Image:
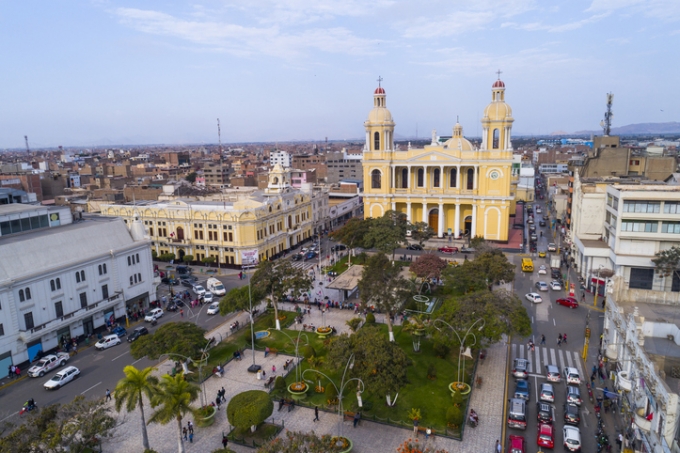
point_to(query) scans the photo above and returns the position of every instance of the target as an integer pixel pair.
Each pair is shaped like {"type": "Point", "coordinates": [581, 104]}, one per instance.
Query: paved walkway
{"type": "Point", "coordinates": [368, 437]}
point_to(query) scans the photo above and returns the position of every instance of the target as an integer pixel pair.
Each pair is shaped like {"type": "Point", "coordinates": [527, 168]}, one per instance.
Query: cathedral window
{"type": "Point", "coordinates": [421, 177]}
{"type": "Point", "coordinates": [376, 141]}
{"type": "Point", "coordinates": [452, 177]}
{"type": "Point", "coordinates": [375, 179]}
{"type": "Point", "coordinates": [404, 178]}
{"type": "Point", "coordinates": [437, 175]}
{"type": "Point", "coordinates": [470, 179]}
{"type": "Point", "coordinates": [496, 136]}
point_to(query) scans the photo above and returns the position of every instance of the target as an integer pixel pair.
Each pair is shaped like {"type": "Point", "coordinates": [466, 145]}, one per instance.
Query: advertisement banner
{"type": "Point", "coordinates": [249, 257]}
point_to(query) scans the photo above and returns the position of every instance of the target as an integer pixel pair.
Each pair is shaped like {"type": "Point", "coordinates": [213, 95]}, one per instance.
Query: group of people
{"type": "Point", "coordinates": [473, 418]}
{"type": "Point", "coordinates": [188, 430]}
{"type": "Point", "coordinates": [13, 371]}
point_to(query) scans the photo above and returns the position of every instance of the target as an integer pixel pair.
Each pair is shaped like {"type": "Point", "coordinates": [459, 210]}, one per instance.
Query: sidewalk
{"type": "Point", "coordinates": [368, 437]}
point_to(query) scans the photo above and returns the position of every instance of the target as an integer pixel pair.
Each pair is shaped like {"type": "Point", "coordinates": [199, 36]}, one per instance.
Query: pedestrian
{"type": "Point", "coordinates": [12, 371]}
{"type": "Point", "coordinates": [273, 369]}
{"type": "Point", "coordinates": [17, 372]}
{"type": "Point", "coordinates": [357, 416]}
{"type": "Point", "coordinates": [316, 414]}
{"type": "Point", "coordinates": [108, 395]}
{"type": "Point", "coordinates": [415, 427]}
{"type": "Point", "coordinates": [225, 441]}
{"type": "Point", "coordinates": [428, 431]}
{"type": "Point", "coordinates": [583, 296]}
{"type": "Point", "coordinates": [191, 437]}
{"type": "Point", "coordinates": [498, 447]}
{"type": "Point", "coordinates": [594, 369]}
{"type": "Point", "coordinates": [218, 401]}
{"type": "Point", "coordinates": [75, 349]}
{"type": "Point", "coordinates": [619, 441]}
{"type": "Point", "coordinates": [181, 313]}
{"type": "Point", "coordinates": [190, 426]}
{"type": "Point", "coordinates": [559, 340]}
{"type": "Point", "coordinates": [542, 339]}
{"type": "Point", "coordinates": [184, 432]}
{"type": "Point", "coordinates": [266, 351]}
{"type": "Point", "coordinates": [224, 392]}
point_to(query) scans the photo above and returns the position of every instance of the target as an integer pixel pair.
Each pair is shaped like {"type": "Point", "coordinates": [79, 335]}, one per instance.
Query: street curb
{"type": "Point", "coordinates": [12, 382]}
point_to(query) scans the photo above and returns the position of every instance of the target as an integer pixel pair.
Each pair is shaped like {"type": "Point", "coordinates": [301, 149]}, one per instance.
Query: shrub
{"type": "Point", "coordinates": [188, 258]}
{"type": "Point", "coordinates": [354, 324]}
{"type": "Point", "coordinates": [249, 408]}
{"type": "Point", "coordinates": [454, 416]}
{"type": "Point", "coordinates": [431, 371]}
{"type": "Point", "coordinates": [308, 351]}
{"type": "Point", "coordinates": [331, 394]}
{"type": "Point", "coordinates": [370, 318]}
{"type": "Point", "coordinates": [279, 383]}
{"type": "Point", "coordinates": [414, 414]}
{"type": "Point", "coordinates": [441, 349]}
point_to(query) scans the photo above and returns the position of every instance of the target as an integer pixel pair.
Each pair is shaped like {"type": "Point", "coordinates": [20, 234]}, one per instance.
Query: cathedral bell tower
{"type": "Point", "coordinates": [379, 125]}
{"type": "Point", "coordinates": [497, 120]}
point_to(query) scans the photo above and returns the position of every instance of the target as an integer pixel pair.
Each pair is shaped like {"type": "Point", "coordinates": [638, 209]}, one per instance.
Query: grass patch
{"type": "Point", "coordinates": [262, 434]}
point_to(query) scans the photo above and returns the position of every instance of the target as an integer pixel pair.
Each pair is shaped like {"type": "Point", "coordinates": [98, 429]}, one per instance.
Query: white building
{"type": "Point", "coordinates": [61, 278]}
{"type": "Point", "coordinates": [279, 158]}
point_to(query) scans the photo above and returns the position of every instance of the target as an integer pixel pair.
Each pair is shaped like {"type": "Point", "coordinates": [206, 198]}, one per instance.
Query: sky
{"type": "Point", "coordinates": [105, 72]}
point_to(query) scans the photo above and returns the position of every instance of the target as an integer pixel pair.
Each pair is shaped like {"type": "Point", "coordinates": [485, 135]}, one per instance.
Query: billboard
{"type": "Point", "coordinates": [249, 257]}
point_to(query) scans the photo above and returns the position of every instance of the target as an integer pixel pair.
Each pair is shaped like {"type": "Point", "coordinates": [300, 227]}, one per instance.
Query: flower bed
{"type": "Point", "coordinates": [461, 387]}
{"type": "Point", "coordinates": [298, 390]}
{"type": "Point", "coordinates": [341, 444]}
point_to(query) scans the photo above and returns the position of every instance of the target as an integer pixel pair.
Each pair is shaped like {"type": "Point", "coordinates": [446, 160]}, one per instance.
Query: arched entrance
{"type": "Point", "coordinates": [433, 219]}
{"type": "Point", "coordinates": [181, 255]}
{"type": "Point", "coordinates": [468, 224]}
{"type": "Point", "coordinates": [180, 234]}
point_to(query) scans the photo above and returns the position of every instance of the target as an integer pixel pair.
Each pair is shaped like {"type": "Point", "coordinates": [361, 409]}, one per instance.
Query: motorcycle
{"type": "Point", "coordinates": [473, 423]}
{"type": "Point", "coordinates": [26, 408]}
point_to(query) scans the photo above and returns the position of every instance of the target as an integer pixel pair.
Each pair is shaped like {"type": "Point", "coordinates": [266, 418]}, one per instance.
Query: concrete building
{"type": "Point", "coordinates": [216, 174]}
{"type": "Point", "coordinates": [280, 158]}
{"type": "Point", "coordinates": [63, 278]}
{"type": "Point", "coordinates": [343, 165]}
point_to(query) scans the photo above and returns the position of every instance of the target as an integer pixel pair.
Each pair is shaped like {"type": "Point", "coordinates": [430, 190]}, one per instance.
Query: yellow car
{"type": "Point", "coordinates": [454, 263]}
{"type": "Point", "coordinates": [541, 254]}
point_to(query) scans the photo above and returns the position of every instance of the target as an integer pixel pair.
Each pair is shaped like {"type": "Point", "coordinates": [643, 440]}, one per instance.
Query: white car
{"type": "Point", "coordinates": [538, 210]}
{"type": "Point", "coordinates": [107, 342]}
{"type": "Point", "coordinates": [62, 378]}
{"type": "Point", "coordinates": [555, 285]}
{"type": "Point", "coordinates": [572, 376]}
{"type": "Point", "coordinates": [572, 438]}
{"type": "Point", "coordinates": [208, 298]}
{"type": "Point", "coordinates": [543, 270]}
{"type": "Point", "coordinates": [153, 315]}
{"type": "Point", "coordinates": [552, 247]}
{"type": "Point", "coordinates": [199, 290]}
{"type": "Point", "coordinates": [534, 297]}
{"type": "Point", "coordinates": [214, 308]}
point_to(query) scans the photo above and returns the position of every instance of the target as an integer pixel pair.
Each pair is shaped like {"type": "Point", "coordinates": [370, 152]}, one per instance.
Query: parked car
{"type": "Point", "coordinates": [519, 369]}
{"type": "Point", "coordinates": [138, 332]}
{"type": "Point", "coordinates": [107, 342]}
{"type": "Point", "coordinates": [541, 223]}
{"type": "Point", "coordinates": [169, 281]}
{"type": "Point", "coordinates": [62, 378]}
{"type": "Point", "coordinates": [214, 308]}
{"type": "Point", "coordinates": [547, 393]}
{"type": "Point", "coordinates": [298, 257]}
{"type": "Point", "coordinates": [567, 302]}
{"type": "Point", "coordinates": [153, 315]}
{"type": "Point", "coordinates": [571, 415]}
{"type": "Point", "coordinates": [120, 331]}
{"type": "Point", "coordinates": [541, 286]}
{"type": "Point", "coordinates": [573, 395]}
{"type": "Point", "coordinates": [414, 247]}
{"type": "Point", "coordinates": [533, 237]}
{"type": "Point", "coordinates": [448, 250]}
{"type": "Point", "coordinates": [516, 444]}
{"type": "Point", "coordinates": [530, 220]}
{"type": "Point", "coordinates": [572, 438]}
{"type": "Point", "coordinates": [555, 285]}
{"type": "Point", "coordinates": [199, 290]}
{"type": "Point", "coordinates": [545, 436]}
{"type": "Point", "coordinates": [467, 250]}
{"type": "Point", "coordinates": [545, 413]}
{"type": "Point", "coordinates": [534, 297]}
{"type": "Point", "coordinates": [523, 390]}
{"type": "Point", "coordinates": [572, 376]}
{"type": "Point", "coordinates": [546, 217]}
{"type": "Point", "coordinates": [552, 373]}
{"type": "Point", "coordinates": [188, 281]}
{"type": "Point", "coordinates": [552, 247]}
{"type": "Point", "coordinates": [48, 363]}
{"type": "Point", "coordinates": [541, 253]}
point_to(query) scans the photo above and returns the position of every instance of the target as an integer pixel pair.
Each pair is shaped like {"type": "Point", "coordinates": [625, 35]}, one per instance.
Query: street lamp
{"type": "Point", "coordinates": [343, 384]}
{"type": "Point", "coordinates": [597, 285]}
{"type": "Point", "coordinates": [252, 368]}
{"type": "Point", "coordinates": [204, 359]}
{"type": "Point", "coordinates": [462, 351]}
{"type": "Point", "coordinates": [298, 376]}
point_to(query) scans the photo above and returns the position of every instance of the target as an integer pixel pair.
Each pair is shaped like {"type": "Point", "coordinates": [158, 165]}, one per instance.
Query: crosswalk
{"type": "Point", "coordinates": [542, 356]}
{"type": "Point", "coordinates": [304, 264]}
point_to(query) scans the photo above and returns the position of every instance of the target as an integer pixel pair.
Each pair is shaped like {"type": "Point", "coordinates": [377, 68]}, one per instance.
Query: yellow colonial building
{"type": "Point", "coordinates": [229, 227]}
{"type": "Point", "coordinates": [452, 185]}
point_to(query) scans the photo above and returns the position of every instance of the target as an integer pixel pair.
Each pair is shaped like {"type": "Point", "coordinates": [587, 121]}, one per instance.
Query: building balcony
{"type": "Point", "coordinates": [34, 333]}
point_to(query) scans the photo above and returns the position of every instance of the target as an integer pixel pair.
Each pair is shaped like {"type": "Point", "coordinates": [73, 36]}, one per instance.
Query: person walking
{"type": "Point", "coordinates": [224, 392]}
{"type": "Point", "coordinates": [181, 313]}
{"type": "Point", "coordinates": [559, 340]}
{"type": "Point", "coordinates": [542, 339]}
{"type": "Point", "coordinates": [12, 371]}
{"type": "Point", "coordinates": [108, 395]}
{"type": "Point", "coordinates": [225, 441]}
{"type": "Point", "coordinates": [191, 437]}
{"type": "Point", "coordinates": [619, 441]}
{"type": "Point", "coordinates": [428, 431]}
{"type": "Point", "coordinates": [190, 426]}
{"type": "Point", "coordinates": [357, 416]}
{"type": "Point", "coordinates": [498, 447]}
{"type": "Point", "coordinates": [273, 369]}
{"type": "Point", "coordinates": [415, 427]}
{"type": "Point", "coordinates": [185, 432]}
{"type": "Point", "coordinates": [316, 414]}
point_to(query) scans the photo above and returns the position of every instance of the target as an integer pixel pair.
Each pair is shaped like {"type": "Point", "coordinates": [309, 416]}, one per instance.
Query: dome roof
{"type": "Point", "coordinates": [379, 90]}
{"type": "Point", "coordinates": [379, 115]}
{"type": "Point", "coordinates": [498, 110]}
{"type": "Point", "coordinates": [498, 84]}
{"type": "Point", "coordinates": [457, 141]}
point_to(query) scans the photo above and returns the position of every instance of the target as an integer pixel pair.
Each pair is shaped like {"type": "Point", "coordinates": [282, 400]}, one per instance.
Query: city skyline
{"type": "Point", "coordinates": [100, 72]}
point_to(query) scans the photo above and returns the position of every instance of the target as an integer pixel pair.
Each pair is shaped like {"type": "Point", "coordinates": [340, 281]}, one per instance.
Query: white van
{"type": "Point", "coordinates": [216, 287]}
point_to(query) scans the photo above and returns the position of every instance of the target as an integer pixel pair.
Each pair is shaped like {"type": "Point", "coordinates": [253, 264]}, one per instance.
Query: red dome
{"type": "Point", "coordinates": [379, 90]}
{"type": "Point", "coordinates": [498, 84]}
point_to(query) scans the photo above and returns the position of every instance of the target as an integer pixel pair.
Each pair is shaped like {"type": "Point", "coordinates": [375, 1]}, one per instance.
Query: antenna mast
{"type": "Point", "coordinates": [219, 135]}
{"type": "Point", "coordinates": [28, 150]}
{"type": "Point", "coordinates": [606, 123]}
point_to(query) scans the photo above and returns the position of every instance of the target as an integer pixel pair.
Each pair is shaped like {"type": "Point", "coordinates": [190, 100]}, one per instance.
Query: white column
{"type": "Point", "coordinates": [441, 177]}
{"type": "Point", "coordinates": [425, 219]}
{"type": "Point", "coordinates": [456, 221]}
{"type": "Point", "coordinates": [476, 177]}
{"type": "Point", "coordinates": [368, 141]}
{"type": "Point", "coordinates": [425, 178]}
{"type": "Point", "coordinates": [441, 220]}
{"type": "Point", "coordinates": [393, 183]}
{"type": "Point", "coordinates": [473, 227]}
{"type": "Point", "coordinates": [409, 214]}
{"type": "Point", "coordinates": [394, 206]}
{"type": "Point", "coordinates": [457, 176]}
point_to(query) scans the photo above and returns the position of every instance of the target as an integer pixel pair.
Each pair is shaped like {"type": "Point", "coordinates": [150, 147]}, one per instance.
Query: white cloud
{"type": "Point", "coordinates": [569, 26]}
{"type": "Point", "coordinates": [290, 12]}
{"type": "Point", "coordinates": [665, 10]}
{"type": "Point", "coordinates": [619, 40]}
{"type": "Point", "coordinates": [241, 40]}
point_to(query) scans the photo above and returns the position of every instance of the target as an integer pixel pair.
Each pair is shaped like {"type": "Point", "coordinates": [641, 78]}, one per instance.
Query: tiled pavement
{"type": "Point", "coordinates": [367, 437]}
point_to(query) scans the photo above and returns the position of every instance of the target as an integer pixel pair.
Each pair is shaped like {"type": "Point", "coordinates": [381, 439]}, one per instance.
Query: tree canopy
{"type": "Point", "coordinates": [238, 299]}
{"type": "Point", "coordinates": [420, 232]}
{"type": "Point", "coordinates": [297, 441]}
{"type": "Point", "coordinates": [249, 408]}
{"type": "Point", "coordinates": [428, 265]}
{"type": "Point", "coordinates": [488, 268]}
{"type": "Point", "coordinates": [130, 391]}
{"type": "Point", "coordinates": [182, 338]}
{"type": "Point", "coordinates": [667, 262]}
{"type": "Point", "coordinates": [388, 232]}
{"type": "Point", "coordinates": [353, 232]}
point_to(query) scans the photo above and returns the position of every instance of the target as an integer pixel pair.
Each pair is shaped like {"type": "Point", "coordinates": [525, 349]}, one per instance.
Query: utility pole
{"type": "Point", "coordinates": [28, 150]}
{"type": "Point", "coordinates": [219, 135]}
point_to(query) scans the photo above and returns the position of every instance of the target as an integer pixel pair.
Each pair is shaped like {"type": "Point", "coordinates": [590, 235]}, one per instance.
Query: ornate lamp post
{"type": "Point", "coordinates": [252, 368]}
{"type": "Point", "coordinates": [298, 376]}
{"type": "Point", "coordinates": [462, 350]}
{"type": "Point", "coordinates": [204, 359]}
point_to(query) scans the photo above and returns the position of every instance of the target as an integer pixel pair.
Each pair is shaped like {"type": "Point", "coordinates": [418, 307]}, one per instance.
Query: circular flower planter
{"type": "Point", "coordinates": [262, 334]}
{"type": "Point", "coordinates": [341, 444]}
{"type": "Point", "coordinates": [298, 390]}
{"type": "Point", "coordinates": [207, 420]}
{"type": "Point", "coordinates": [323, 332]}
{"type": "Point", "coordinates": [461, 387]}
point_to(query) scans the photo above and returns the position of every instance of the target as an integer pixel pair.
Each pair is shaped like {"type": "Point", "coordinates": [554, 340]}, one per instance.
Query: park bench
{"type": "Point", "coordinates": [270, 381]}
{"type": "Point", "coordinates": [289, 403]}
{"type": "Point", "coordinates": [349, 417]}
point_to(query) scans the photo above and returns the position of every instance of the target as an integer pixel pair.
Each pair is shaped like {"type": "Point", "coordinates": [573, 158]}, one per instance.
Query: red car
{"type": "Point", "coordinates": [448, 250]}
{"type": "Point", "coordinates": [516, 444]}
{"type": "Point", "coordinates": [568, 302]}
{"type": "Point", "coordinates": [546, 436]}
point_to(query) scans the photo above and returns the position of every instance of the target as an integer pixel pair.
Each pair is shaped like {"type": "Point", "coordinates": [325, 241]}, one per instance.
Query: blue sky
{"type": "Point", "coordinates": [82, 73]}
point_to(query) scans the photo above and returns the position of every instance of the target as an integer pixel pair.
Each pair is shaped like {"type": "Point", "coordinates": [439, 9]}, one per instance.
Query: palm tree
{"type": "Point", "coordinates": [130, 391]}
{"type": "Point", "coordinates": [174, 397]}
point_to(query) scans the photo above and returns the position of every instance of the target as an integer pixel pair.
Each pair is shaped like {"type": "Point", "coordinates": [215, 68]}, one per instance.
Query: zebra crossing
{"type": "Point", "coordinates": [304, 265]}
{"type": "Point", "coordinates": [542, 356]}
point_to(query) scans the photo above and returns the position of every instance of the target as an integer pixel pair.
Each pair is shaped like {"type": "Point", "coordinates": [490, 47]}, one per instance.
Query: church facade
{"type": "Point", "coordinates": [450, 184]}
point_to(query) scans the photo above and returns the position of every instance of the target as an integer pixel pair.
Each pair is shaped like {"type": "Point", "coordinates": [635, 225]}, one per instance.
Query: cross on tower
{"type": "Point", "coordinates": [499, 72]}
{"type": "Point", "coordinates": [380, 79]}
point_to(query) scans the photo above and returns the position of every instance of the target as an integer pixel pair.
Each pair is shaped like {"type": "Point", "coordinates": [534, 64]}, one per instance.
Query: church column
{"type": "Point", "coordinates": [440, 218]}
{"type": "Point", "coordinates": [394, 205]}
{"type": "Point", "coordinates": [393, 182]}
{"type": "Point", "coordinates": [441, 177]}
{"type": "Point", "coordinates": [367, 146]}
{"type": "Point", "coordinates": [409, 214]}
{"type": "Point", "coordinates": [425, 176]}
{"type": "Point", "coordinates": [425, 219]}
{"type": "Point", "coordinates": [473, 227]}
{"type": "Point", "coordinates": [476, 177]}
{"type": "Point", "coordinates": [458, 177]}
{"type": "Point", "coordinates": [456, 222]}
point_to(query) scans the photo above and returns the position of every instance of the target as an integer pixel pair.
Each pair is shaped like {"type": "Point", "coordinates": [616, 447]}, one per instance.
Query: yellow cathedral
{"type": "Point", "coordinates": [453, 186]}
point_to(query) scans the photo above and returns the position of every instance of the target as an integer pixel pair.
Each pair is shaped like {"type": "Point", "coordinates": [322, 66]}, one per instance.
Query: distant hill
{"type": "Point", "coordinates": [639, 129]}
